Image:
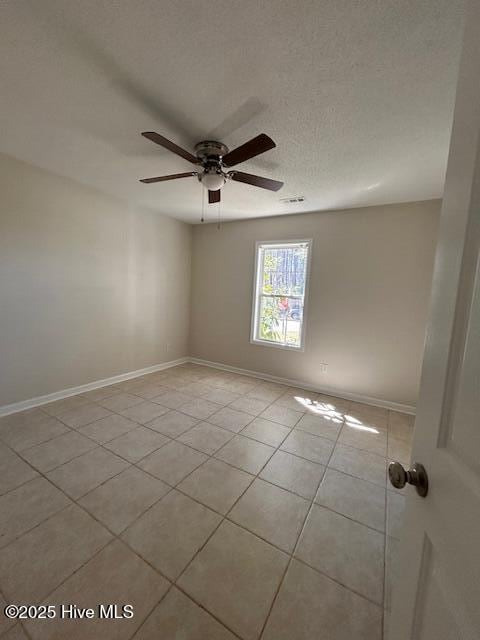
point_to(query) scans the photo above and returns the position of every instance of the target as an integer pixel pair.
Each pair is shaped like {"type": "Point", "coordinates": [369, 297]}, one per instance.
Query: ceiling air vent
{"type": "Point", "coordinates": [293, 199]}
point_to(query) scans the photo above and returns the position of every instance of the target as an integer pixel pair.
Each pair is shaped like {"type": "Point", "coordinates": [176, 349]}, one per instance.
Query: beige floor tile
{"type": "Point", "coordinates": [6, 453]}
{"type": "Point", "coordinates": [197, 389]}
{"type": "Point", "coordinates": [179, 618]}
{"type": "Point", "coordinates": [219, 378]}
{"type": "Point", "coordinates": [265, 392]}
{"type": "Point", "coordinates": [354, 498]}
{"type": "Point", "coordinates": [345, 550]}
{"type": "Point", "coordinates": [294, 473]}
{"type": "Point", "coordinates": [400, 450]}
{"type": "Point", "coordinates": [305, 395]}
{"type": "Point", "coordinates": [362, 464]}
{"type": "Point", "coordinates": [35, 564]}
{"type": "Point", "coordinates": [366, 438]}
{"type": "Point", "coordinates": [340, 405]}
{"type": "Point", "coordinates": [5, 623]}
{"type": "Point", "coordinates": [176, 383]}
{"type": "Point", "coordinates": [200, 408]}
{"type": "Point", "coordinates": [318, 425]}
{"type": "Point", "coordinates": [395, 514]}
{"type": "Point", "coordinates": [235, 577]}
{"type": "Point", "coordinates": [216, 484]}
{"type": "Point", "coordinates": [173, 424]}
{"type": "Point", "coordinates": [83, 415]}
{"type": "Point", "coordinates": [21, 435]}
{"type": "Point", "coordinates": [401, 428]}
{"type": "Point", "coordinates": [120, 401]}
{"type": "Point", "coordinates": [27, 506]}
{"type": "Point", "coordinates": [282, 415]}
{"type": "Point", "coordinates": [172, 462]}
{"type": "Point", "coordinates": [240, 386]}
{"type": "Point", "coordinates": [116, 576]}
{"type": "Point", "coordinates": [231, 419]}
{"type": "Point", "coordinates": [368, 418]}
{"type": "Point", "coordinates": [266, 431]}
{"type": "Point", "coordinates": [310, 606]}
{"type": "Point", "coordinates": [108, 428]}
{"type": "Point", "coordinates": [99, 394]}
{"type": "Point", "coordinates": [144, 412]}
{"type": "Point", "coordinates": [82, 474]}
{"type": "Point", "coordinates": [170, 533]}
{"type": "Point", "coordinates": [221, 396]}
{"type": "Point", "coordinates": [211, 379]}
{"type": "Point", "coordinates": [253, 406]}
{"type": "Point", "coordinates": [404, 420]}
{"type": "Point", "coordinates": [130, 386]}
{"type": "Point", "coordinates": [53, 453]}
{"type": "Point", "coordinates": [272, 513]}
{"type": "Point", "coordinates": [15, 472]}
{"type": "Point", "coordinates": [306, 445]}
{"type": "Point", "coordinates": [206, 437]}
{"type": "Point", "coordinates": [295, 403]}
{"type": "Point", "coordinates": [121, 500]}
{"type": "Point", "coordinates": [22, 418]}
{"type": "Point", "coordinates": [386, 623]}
{"type": "Point", "coordinates": [61, 406]}
{"type": "Point", "coordinates": [294, 392]}
{"type": "Point", "coordinates": [392, 569]}
{"type": "Point", "coordinates": [17, 633]}
{"type": "Point", "coordinates": [361, 409]}
{"type": "Point", "coordinates": [245, 454]}
{"type": "Point", "coordinates": [172, 399]}
{"type": "Point", "coordinates": [149, 390]}
{"type": "Point", "coordinates": [136, 444]}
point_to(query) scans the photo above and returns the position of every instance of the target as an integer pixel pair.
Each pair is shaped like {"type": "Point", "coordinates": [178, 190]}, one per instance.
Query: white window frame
{"type": "Point", "coordinates": [257, 295]}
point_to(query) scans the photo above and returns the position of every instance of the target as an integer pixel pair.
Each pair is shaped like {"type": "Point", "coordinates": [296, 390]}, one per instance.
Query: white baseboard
{"type": "Point", "coordinates": [356, 397]}
{"type": "Point", "coordinates": [72, 391]}
{"type": "Point", "coordinates": [7, 409]}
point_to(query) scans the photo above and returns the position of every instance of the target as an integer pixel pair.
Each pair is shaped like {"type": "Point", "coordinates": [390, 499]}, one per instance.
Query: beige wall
{"type": "Point", "coordinates": [369, 291]}
{"type": "Point", "coordinates": [89, 288]}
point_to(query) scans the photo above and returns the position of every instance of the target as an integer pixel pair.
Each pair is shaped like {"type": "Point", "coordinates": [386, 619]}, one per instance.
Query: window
{"type": "Point", "coordinates": [281, 280]}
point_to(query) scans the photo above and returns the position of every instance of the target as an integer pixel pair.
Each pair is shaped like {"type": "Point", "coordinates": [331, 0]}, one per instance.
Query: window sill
{"type": "Point", "coordinates": [285, 347]}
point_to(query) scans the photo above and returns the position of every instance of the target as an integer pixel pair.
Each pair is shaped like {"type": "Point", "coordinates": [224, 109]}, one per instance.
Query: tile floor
{"type": "Point", "coordinates": [219, 506]}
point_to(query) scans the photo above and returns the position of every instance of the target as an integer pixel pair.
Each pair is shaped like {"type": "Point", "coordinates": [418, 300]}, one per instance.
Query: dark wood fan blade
{"type": "Point", "coordinates": [250, 149]}
{"type": "Point", "coordinates": [171, 146]}
{"type": "Point", "coordinates": [174, 176]}
{"type": "Point", "coordinates": [256, 181]}
{"type": "Point", "coordinates": [213, 196]}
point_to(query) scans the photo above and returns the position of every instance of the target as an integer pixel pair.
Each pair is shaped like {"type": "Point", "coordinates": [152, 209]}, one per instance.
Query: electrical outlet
{"type": "Point", "coordinates": [323, 367]}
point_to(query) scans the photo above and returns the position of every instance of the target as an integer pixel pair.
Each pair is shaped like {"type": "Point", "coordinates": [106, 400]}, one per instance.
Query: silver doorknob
{"type": "Point", "coordinates": [417, 476]}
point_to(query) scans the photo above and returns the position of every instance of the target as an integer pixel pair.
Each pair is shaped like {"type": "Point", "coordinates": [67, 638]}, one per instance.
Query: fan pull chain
{"type": "Point", "coordinates": [219, 214]}
{"type": "Point", "coordinates": [203, 204]}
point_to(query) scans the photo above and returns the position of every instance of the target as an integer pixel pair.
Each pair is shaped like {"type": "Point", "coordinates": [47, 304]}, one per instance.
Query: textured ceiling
{"type": "Point", "coordinates": [357, 94]}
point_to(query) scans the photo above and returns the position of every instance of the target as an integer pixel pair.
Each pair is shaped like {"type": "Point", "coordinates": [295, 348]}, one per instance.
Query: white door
{"type": "Point", "coordinates": [436, 594]}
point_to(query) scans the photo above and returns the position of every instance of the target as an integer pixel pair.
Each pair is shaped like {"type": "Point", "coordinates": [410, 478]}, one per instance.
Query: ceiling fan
{"type": "Point", "coordinates": [214, 157]}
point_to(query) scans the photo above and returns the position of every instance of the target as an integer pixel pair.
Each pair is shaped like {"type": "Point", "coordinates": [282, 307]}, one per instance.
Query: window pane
{"type": "Point", "coordinates": [284, 270]}
{"type": "Point", "coordinates": [280, 320]}
{"type": "Point", "coordinates": [280, 293]}
{"type": "Point", "coordinates": [270, 322]}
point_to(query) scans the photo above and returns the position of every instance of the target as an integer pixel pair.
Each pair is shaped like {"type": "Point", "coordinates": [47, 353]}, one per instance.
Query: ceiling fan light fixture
{"type": "Point", "coordinates": [214, 156]}
{"type": "Point", "coordinates": [212, 180]}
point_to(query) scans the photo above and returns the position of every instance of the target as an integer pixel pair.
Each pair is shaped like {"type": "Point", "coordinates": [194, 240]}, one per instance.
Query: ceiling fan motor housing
{"type": "Point", "coordinates": [210, 153]}
{"type": "Point", "coordinates": [210, 150]}
{"type": "Point", "coordinates": [215, 157]}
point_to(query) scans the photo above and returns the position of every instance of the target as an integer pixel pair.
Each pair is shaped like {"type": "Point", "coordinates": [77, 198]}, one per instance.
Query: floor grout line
{"type": "Point", "coordinates": [302, 529]}
{"type": "Point", "coordinates": [224, 517]}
